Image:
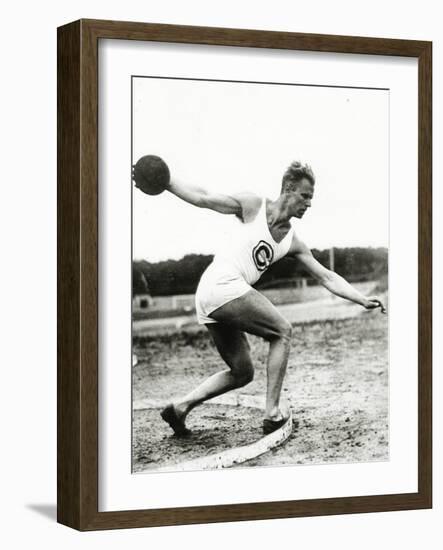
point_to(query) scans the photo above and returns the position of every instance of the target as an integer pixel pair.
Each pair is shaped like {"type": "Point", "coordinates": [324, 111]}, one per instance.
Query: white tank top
{"type": "Point", "coordinates": [252, 249]}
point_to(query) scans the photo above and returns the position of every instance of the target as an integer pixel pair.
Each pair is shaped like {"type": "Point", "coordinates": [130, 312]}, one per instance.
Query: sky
{"type": "Point", "coordinates": [231, 137]}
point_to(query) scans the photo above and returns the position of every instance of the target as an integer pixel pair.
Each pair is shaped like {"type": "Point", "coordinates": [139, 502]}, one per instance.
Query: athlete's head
{"type": "Point", "coordinates": [298, 188]}
{"type": "Point", "coordinates": [295, 173]}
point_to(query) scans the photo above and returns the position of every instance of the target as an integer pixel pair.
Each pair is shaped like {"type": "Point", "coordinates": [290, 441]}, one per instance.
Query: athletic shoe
{"type": "Point", "coordinates": [170, 416]}
{"type": "Point", "coordinates": [270, 426]}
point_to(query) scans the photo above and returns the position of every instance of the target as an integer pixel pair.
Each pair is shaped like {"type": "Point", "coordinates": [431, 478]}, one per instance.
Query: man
{"type": "Point", "coordinates": [228, 305]}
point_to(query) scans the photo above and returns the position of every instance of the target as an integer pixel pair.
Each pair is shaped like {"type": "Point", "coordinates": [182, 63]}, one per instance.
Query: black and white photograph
{"type": "Point", "coordinates": [259, 274]}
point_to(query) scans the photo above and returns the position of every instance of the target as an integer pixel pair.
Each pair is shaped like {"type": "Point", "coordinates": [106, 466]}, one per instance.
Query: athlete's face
{"type": "Point", "coordinates": [300, 199]}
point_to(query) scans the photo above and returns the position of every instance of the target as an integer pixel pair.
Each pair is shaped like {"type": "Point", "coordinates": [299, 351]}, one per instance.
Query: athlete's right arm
{"type": "Point", "coordinates": [198, 196]}
{"type": "Point", "coordinates": [329, 279]}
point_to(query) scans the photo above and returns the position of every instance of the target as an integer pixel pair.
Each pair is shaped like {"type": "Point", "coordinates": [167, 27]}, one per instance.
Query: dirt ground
{"type": "Point", "coordinates": [214, 428]}
{"type": "Point", "coordinates": [336, 384]}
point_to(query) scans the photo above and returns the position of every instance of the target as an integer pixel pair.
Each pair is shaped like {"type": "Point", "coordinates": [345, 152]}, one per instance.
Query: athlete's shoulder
{"type": "Point", "coordinates": [250, 205]}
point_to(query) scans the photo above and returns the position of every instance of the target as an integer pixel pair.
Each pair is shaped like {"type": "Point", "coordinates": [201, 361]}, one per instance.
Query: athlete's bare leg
{"type": "Point", "coordinates": [253, 313]}
{"type": "Point", "coordinates": [234, 350]}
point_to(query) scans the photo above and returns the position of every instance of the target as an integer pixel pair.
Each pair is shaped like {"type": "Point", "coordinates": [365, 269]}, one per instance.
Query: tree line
{"type": "Point", "coordinates": [182, 276]}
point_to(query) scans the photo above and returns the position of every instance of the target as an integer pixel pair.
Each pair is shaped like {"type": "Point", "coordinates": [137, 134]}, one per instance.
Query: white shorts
{"type": "Point", "coordinates": [216, 288]}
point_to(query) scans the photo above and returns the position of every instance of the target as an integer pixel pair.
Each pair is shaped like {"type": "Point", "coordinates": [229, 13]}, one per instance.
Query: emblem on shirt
{"type": "Point", "coordinates": [263, 255]}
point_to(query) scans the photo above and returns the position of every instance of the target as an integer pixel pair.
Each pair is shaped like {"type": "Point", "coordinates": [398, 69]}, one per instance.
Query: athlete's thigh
{"type": "Point", "coordinates": [252, 313]}
{"type": "Point", "coordinates": [232, 346]}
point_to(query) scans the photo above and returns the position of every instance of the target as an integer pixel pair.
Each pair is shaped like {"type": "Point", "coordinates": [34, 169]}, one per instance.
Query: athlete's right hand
{"type": "Point", "coordinates": [373, 302]}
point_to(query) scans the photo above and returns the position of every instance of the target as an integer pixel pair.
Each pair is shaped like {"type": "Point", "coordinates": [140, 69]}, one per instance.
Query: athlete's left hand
{"type": "Point", "coordinates": [373, 302]}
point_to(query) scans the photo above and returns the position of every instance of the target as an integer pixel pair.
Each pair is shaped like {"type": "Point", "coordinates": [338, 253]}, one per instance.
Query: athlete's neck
{"type": "Point", "coordinates": [279, 210]}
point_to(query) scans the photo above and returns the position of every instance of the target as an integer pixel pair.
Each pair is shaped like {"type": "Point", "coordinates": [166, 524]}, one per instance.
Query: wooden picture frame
{"type": "Point", "coordinates": [77, 173]}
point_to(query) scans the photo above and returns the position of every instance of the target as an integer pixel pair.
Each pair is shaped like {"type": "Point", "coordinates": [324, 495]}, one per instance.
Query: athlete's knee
{"type": "Point", "coordinates": [243, 375]}
{"type": "Point", "coordinates": [287, 330]}
{"type": "Point", "coordinates": [281, 331]}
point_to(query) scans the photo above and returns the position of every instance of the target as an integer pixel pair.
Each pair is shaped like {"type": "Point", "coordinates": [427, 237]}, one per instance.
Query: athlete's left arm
{"type": "Point", "coordinates": [329, 279]}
